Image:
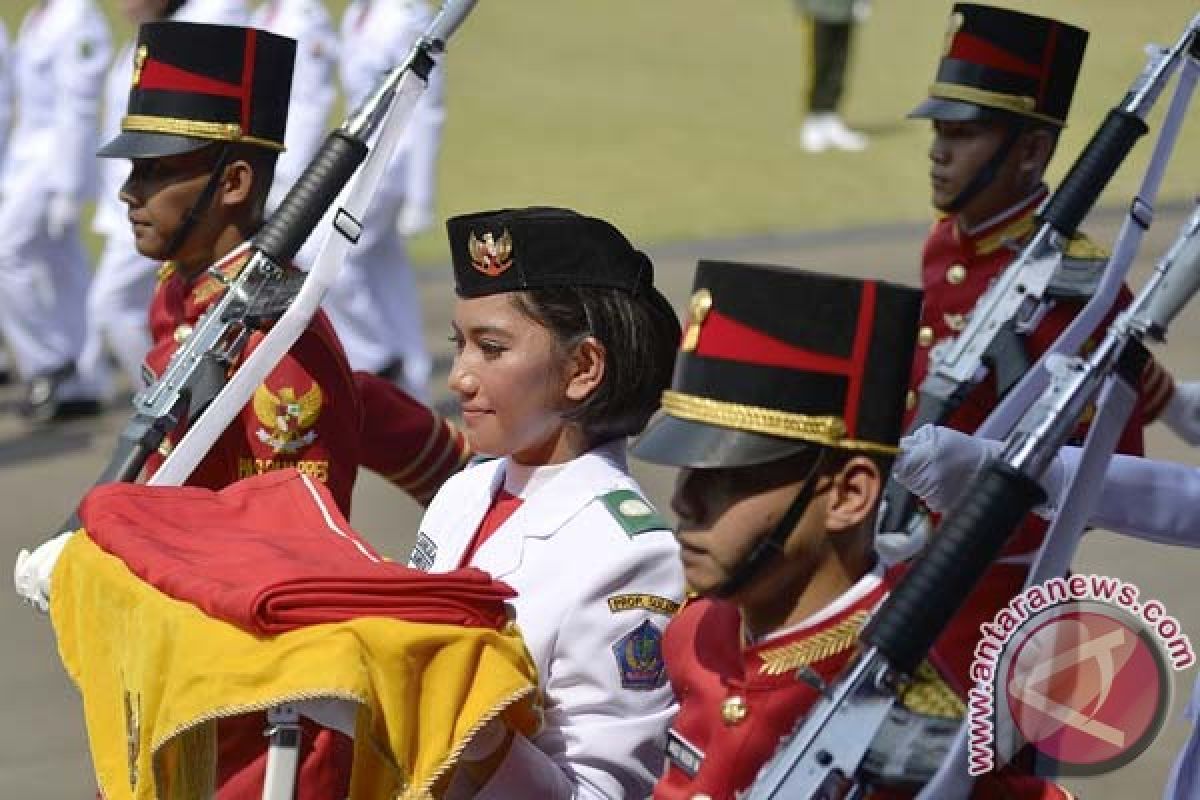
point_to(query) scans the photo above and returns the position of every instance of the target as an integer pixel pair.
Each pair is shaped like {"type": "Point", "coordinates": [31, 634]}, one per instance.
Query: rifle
{"type": "Point", "coordinates": [824, 756]}
{"type": "Point", "coordinates": [194, 388]}
{"type": "Point", "coordinates": [991, 340]}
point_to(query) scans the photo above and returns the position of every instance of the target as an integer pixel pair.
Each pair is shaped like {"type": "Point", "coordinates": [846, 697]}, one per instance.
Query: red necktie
{"type": "Point", "coordinates": [503, 506]}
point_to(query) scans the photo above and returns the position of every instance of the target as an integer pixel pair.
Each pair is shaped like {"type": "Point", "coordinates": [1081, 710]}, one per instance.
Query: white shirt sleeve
{"type": "Point", "coordinates": [1154, 500]}
{"type": "Point", "coordinates": [78, 79]}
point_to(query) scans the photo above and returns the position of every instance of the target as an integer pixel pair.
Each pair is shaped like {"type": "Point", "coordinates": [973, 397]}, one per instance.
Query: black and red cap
{"type": "Point", "coordinates": [515, 249]}
{"type": "Point", "coordinates": [195, 84]}
{"type": "Point", "coordinates": [1003, 63]}
{"type": "Point", "coordinates": [775, 360]}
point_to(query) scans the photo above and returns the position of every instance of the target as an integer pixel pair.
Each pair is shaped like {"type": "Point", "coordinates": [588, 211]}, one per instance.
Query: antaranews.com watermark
{"type": "Point", "coordinates": [1076, 667]}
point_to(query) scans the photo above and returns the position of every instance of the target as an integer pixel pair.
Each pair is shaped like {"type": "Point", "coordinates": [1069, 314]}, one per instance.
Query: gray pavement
{"type": "Point", "coordinates": [43, 472]}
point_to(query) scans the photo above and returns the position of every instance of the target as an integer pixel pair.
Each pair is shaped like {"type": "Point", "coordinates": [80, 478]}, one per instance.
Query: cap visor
{"type": "Point", "coordinates": [137, 144]}
{"type": "Point", "coordinates": [952, 111]}
{"type": "Point", "coordinates": [679, 442]}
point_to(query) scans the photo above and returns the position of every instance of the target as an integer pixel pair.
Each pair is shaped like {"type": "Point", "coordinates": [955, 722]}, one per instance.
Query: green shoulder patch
{"type": "Point", "coordinates": [632, 512]}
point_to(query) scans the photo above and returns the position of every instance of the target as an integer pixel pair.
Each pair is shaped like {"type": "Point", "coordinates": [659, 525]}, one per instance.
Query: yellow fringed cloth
{"type": "Point", "coordinates": [155, 674]}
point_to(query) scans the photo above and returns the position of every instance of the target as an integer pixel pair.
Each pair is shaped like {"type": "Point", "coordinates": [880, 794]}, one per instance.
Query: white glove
{"type": "Point", "coordinates": [1182, 414]}
{"type": "Point", "coordinates": [414, 218]}
{"type": "Point", "coordinates": [61, 213]}
{"type": "Point", "coordinates": [936, 464]}
{"type": "Point", "coordinates": [31, 575]}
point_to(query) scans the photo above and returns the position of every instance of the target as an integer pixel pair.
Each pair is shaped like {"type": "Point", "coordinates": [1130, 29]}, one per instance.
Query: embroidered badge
{"type": "Point", "coordinates": [287, 418]}
{"type": "Point", "coordinates": [683, 753]}
{"type": "Point", "coordinates": [632, 512]}
{"type": "Point", "coordinates": [640, 657]}
{"type": "Point", "coordinates": [424, 553]}
{"type": "Point", "coordinates": [642, 602]}
{"type": "Point", "coordinates": [489, 256]}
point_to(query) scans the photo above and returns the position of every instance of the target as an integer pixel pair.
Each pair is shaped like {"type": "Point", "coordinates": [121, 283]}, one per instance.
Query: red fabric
{"type": "Point", "coordinates": [159, 75]}
{"type": "Point", "coordinates": [980, 51]}
{"type": "Point", "coordinates": [725, 338]}
{"type": "Point", "coordinates": [245, 448]}
{"type": "Point", "coordinates": [273, 553]}
{"type": "Point", "coordinates": [246, 91]}
{"type": "Point", "coordinates": [326, 759]}
{"type": "Point", "coordinates": [504, 504]}
{"type": "Point", "coordinates": [858, 359]}
{"type": "Point", "coordinates": [406, 442]}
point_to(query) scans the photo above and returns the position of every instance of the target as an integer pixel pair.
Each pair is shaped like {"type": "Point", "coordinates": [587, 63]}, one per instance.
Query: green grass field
{"type": "Point", "coordinates": [677, 118]}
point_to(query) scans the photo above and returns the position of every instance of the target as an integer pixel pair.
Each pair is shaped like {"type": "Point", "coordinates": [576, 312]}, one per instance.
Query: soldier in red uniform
{"type": "Point", "coordinates": [206, 119]}
{"type": "Point", "coordinates": [783, 416]}
{"type": "Point", "coordinates": [1001, 95]}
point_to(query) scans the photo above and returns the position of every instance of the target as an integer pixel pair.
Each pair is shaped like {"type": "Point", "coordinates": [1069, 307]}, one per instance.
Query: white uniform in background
{"type": "Point", "coordinates": [59, 57]}
{"type": "Point", "coordinates": [123, 283]}
{"type": "Point", "coordinates": [6, 103]}
{"type": "Point", "coordinates": [314, 89]}
{"type": "Point", "coordinates": [374, 306]}
{"type": "Point", "coordinates": [595, 590]}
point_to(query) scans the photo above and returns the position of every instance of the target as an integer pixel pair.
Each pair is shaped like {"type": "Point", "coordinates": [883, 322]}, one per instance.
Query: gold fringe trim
{"type": "Point", "coordinates": [928, 694]}
{"type": "Point", "coordinates": [177, 126]}
{"type": "Point", "coordinates": [1016, 103]}
{"type": "Point", "coordinates": [818, 647]}
{"type": "Point", "coordinates": [826, 430]}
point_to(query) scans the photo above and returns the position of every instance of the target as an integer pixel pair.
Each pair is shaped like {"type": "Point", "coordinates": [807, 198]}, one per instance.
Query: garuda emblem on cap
{"type": "Point", "coordinates": [491, 257]}
{"type": "Point", "coordinates": [287, 418]}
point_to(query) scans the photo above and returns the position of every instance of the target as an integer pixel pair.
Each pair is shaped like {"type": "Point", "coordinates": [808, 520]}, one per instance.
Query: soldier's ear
{"type": "Point", "coordinates": [1037, 147]}
{"type": "Point", "coordinates": [237, 183]}
{"type": "Point", "coordinates": [853, 493]}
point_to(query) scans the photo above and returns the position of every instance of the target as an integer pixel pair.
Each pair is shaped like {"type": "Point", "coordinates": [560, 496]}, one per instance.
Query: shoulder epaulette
{"type": "Point", "coordinates": [632, 512]}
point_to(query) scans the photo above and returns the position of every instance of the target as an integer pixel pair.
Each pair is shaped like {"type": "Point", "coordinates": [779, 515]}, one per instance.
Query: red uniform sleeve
{"type": "Point", "coordinates": [405, 441]}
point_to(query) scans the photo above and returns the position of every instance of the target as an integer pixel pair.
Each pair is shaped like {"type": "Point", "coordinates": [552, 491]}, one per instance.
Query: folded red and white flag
{"type": "Point", "coordinates": [272, 553]}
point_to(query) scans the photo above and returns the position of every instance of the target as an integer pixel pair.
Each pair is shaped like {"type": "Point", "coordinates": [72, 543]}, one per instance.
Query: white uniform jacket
{"type": "Point", "coordinates": [6, 93]}
{"type": "Point", "coordinates": [592, 603]}
{"type": "Point", "coordinates": [314, 83]}
{"type": "Point", "coordinates": [59, 59]}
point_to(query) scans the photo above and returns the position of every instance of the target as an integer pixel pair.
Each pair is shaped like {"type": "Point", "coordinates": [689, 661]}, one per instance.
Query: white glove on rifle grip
{"type": "Point", "coordinates": [31, 575]}
{"type": "Point", "coordinates": [938, 464]}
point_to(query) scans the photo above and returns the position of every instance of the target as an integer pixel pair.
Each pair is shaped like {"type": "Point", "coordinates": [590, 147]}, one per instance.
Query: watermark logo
{"type": "Point", "coordinates": [1078, 670]}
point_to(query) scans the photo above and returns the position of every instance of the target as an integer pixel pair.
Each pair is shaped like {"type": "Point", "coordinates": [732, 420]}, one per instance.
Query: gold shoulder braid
{"type": "Point", "coordinates": [928, 694]}
{"type": "Point", "coordinates": [817, 647]}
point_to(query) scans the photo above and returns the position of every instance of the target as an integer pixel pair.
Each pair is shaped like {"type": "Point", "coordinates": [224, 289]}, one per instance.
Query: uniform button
{"type": "Point", "coordinates": [955, 322]}
{"type": "Point", "coordinates": [182, 333]}
{"type": "Point", "coordinates": [734, 710]}
{"type": "Point", "coordinates": [956, 274]}
{"type": "Point", "coordinates": [165, 447]}
{"type": "Point", "coordinates": [925, 336]}
{"type": "Point", "coordinates": [910, 400]}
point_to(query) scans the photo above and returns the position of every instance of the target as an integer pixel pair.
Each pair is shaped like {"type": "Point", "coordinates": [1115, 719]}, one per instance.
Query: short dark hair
{"type": "Point", "coordinates": [640, 334]}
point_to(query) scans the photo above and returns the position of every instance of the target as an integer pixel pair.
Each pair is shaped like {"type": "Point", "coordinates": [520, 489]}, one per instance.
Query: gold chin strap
{"type": "Point", "coordinates": [824, 430]}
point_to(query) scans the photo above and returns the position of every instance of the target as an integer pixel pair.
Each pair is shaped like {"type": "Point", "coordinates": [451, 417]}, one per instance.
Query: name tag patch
{"type": "Point", "coordinates": [424, 553]}
{"type": "Point", "coordinates": [642, 602]}
{"type": "Point", "coordinates": [683, 753]}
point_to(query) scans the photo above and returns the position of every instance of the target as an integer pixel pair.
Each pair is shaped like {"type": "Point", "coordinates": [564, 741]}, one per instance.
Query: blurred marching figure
{"type": "Point", "coordinates": [829, 27]}
{"type": "Point", "coordinates": [374, 306]}
{"type": "Point", "coordinates": [59, 57]}
{"type": "Point", "coordinates": [6, 102]}
{"type": "Point", "coordinates": [118, 300]}
{"type": "Point", "coordinates": [313, 92]}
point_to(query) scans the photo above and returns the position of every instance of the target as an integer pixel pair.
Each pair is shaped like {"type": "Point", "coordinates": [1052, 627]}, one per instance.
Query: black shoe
{"type": "Point", "coordinates": [43, 401]}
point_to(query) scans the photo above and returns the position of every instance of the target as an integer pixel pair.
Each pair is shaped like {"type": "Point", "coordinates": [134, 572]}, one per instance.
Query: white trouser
{"type": "Point", "coordinates": [118, 306]}
{"type": "Point", "coordinates": [43, 287]}
{"type": "Point", "coordinates": [374, 305]}
{"type": "Point", "coordinates": [1184, 782]}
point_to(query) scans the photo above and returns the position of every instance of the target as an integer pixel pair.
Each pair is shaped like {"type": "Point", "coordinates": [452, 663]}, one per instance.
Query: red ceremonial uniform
{"type": "Point", "coordinates": [737, 701]}
{"type": "Point", "coordinates": [306, 414]}
{"type": "Point", "coordinates": [956, 268]}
